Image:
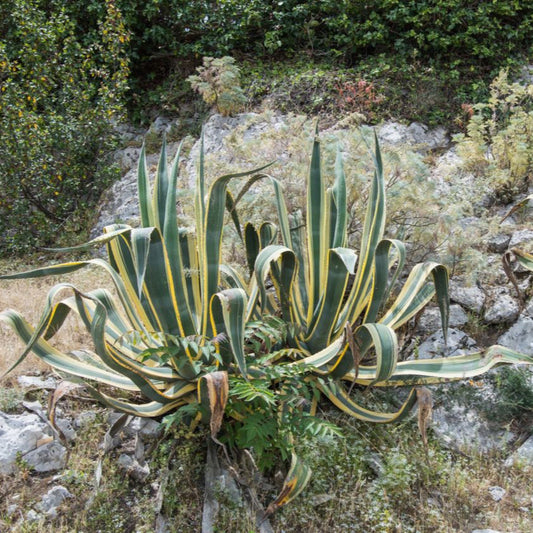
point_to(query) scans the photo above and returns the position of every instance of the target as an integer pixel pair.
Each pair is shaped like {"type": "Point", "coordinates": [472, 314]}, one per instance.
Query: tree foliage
{"type": "Point", "coordinates": [59, 97]}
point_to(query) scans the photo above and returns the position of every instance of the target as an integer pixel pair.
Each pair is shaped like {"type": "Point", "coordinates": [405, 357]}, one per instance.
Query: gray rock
{"type": "Point", "coordinates": [471, 298]}
{"type": "Point", "coordinates": [139, 472]}
{"type": "Point", "coordinates": [469, 222]}
{"type": "Point", "coordinates": [66, 428]}
{"type": "Point", "coordinates": [498, 243]}
{"type": "Point", "coordinates": [120, 201]}
{"type": "Point", "coordinates": [12, 509]}
{"type": "Point", "coordinates": [37, 382]}
{"type": "Point", "coordinates": [526, 74]}
{"type": "Point", "coordinates": [430, 319]}
{"type": "Point", "coordinates": [485, 531]}
{"type": "Point", "coordinates": [145, 427]}
{"type": "Point", "coordinates": [33, 516]}
{"type": "Point", "coordinates": [84, 419]}
{"type": "Point", "coordinates": [446, 173]}
{"type": "Point", "coordinates": [524, 454]}
{"type": "Point", "coordinates": [459, 343]}
{"type": "Point", "coordinates": [127, 158]}
{"type": "Point", "coordinates": [459, 427]}
{"type": "Point", "coordinates": [497, 493]}
{"type": "Point", "coordinates": [520, 238]}
{"type": "Point", "coordinates": [162, 125]}
{"type": "Point", "coordinates": [48, 457]}
{"type": "Point", "coordinates": [520, 336]}
{"type": "Point", "coordinates": [19, 434]}
{"type": "Point", "coordinates": [129, 133]}
{"type": "Point", "coordinates": [504, 309]}
{"type": "Point", "coordinates": [395, 134]}
{"type": "Point", "coordinates": [53, 499]}
{"type": "Point", "coordinates": [218, 128]}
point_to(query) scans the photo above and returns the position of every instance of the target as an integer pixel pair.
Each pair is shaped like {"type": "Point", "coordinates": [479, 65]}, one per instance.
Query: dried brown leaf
{"type": "Point", "coordinates": [425, 409]}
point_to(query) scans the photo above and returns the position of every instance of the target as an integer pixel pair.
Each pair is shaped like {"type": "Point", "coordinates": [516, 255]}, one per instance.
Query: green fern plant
{"type": "Point", "coordinates": [218, 81]}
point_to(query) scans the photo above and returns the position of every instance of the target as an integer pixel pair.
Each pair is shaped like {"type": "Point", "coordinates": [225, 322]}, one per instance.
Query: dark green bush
{"type": "Point", "coordinates": [59, 98]}
{"type": "Point", "coordinates": [465, 39]}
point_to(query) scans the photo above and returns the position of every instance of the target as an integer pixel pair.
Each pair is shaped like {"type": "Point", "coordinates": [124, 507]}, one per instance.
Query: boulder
{"type": "Point", "coordinates": [519, 336]}
{"type": "Point", "coordinates": [459, 427]}
{"type": "Point", "coordinates": [471, 298]}
{"type": "Point", "coordinates": [120, 202]}
{"type": "Point", "coordinates": [503, 308]}
{"type": "Point", "coordinates": [458, 343]}
{"type": "Point", "coordinates": [28, 437]}
{"type": "Point", "coordinates": [418, 134]}
{"type": "Point", "coordinates": [524, 454]}
{"type": "Point", "coordinates": [430, 322]}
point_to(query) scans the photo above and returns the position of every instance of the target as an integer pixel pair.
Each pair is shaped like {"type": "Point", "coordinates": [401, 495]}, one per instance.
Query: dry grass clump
{"type": "Point", "coordinates": [28, 296]}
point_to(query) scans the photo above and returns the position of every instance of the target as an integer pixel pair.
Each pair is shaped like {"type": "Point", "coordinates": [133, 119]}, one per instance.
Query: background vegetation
{"type": "Point", "coordinates": [68, 71]}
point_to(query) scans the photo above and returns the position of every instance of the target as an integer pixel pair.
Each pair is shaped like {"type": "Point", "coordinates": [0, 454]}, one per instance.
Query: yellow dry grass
{"type": "Point", "coordinates": [27, 297]}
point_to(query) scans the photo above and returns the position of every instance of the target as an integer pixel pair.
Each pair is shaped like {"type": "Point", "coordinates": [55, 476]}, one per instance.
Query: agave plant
{"type": "Point", "coordinates": [343, 307]}
{"type": "Point", "coordinates": [178, 334]}
{"type": "Point", "coordinates": [167, 281]}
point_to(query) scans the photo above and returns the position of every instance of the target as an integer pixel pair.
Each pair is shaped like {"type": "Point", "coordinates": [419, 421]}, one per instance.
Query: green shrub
{"type": "Point", "coordinates": [59, 98]}
{"type": "Point", "coordinates": [515, 394]}
{"type": "Point", "coordinates": [498, 143]}
{"type": "Point", "coordinates": [433, 52]}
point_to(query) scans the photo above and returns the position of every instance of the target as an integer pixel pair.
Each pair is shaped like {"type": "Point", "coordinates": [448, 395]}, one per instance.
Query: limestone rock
{"type": "Point", "coordinates": [497, 493]}
{"type": "Point", "coordinates": [127, 158]}
{"type": "Point", "coordinates": [524, 454]}
{"type": "Point", "coordinates": [33, 516]}
{"type": "Point", "coordinates": [120, 202]}
{"type": "Point", "coordinates": [521, 238]}
{"type": "Point", "coordinates": [218, 128]}
{"type": "Point", "coordinates": [53, 499]}
{"type": "Point", "coordinates": [504, 309]}
{"type": "Point", "coordinates": [139, 472]}
{"type": "Point", "coordinates": [37, 382]}
{"type": "Point", "coordinates": [66, 428]}
{"type": "Point", "coordinates": [458, 343]}
{"type": "Point", "coordinates": [84, 419]}
{"type": "Point", "coordinates": [498, 243]}
{"type": "Point", "coordinates": [430, 319]}
{"type": "Point", "coordinates": [145, 427]}
{"type": "Point", "coordinates": [459, 427]}
{"type": "Point", "coordinates": [520, 336]}
{"type": "Point", "coordinates": [415, 134]}
{"type": "Point", "coordinates": [471, 298]}
{"type": "Point", "coordinates": [163, 125]}
{"type": "Point", "coordinates": [48, 457]}
{"type": "Point", "coordinates": [19, 434]}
